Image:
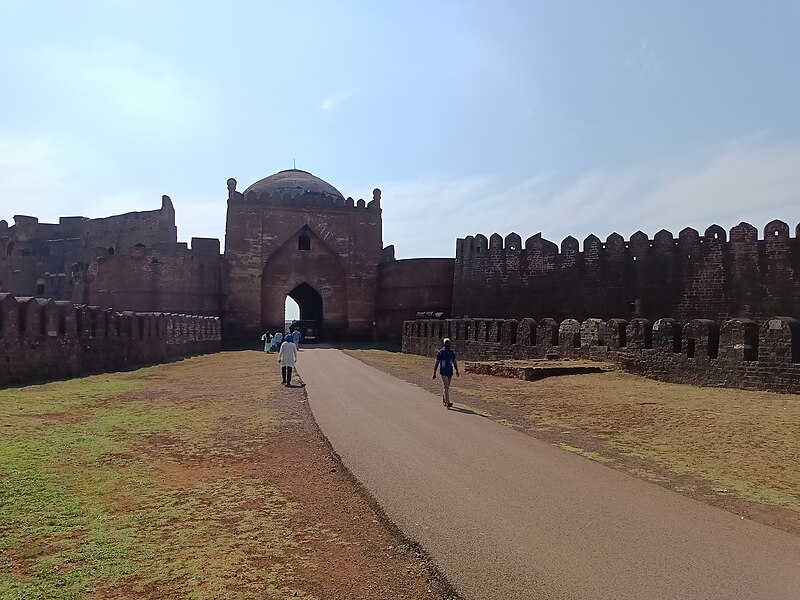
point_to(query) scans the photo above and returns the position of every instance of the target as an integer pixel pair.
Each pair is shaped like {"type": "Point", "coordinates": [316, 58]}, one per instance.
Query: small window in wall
{"type": "Point", "coordinates": [40, 287]}
{"type": "Point", "coordinates": [140, 245]}
{"type": "Point", "coordinates": [111, 251]}
{"type": "Point", "coordinates": [304, 242]}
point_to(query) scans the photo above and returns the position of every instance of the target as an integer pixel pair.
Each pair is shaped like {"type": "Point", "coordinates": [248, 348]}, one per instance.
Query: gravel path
{"type": "Point", "coordinates": [506, 516]}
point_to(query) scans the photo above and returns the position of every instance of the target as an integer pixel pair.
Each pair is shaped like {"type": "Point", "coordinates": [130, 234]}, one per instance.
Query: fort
{"type": "Point", "coordinates": [50, 339]}
{"type": "Point", "coordinates": [294, 235]}
{"type": "Point", "coordinates": [737, 353]}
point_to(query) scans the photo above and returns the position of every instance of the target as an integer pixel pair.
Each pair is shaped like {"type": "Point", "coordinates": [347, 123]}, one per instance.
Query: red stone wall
{"type": "Point", "coordinates": [46, 339]}
{"type": "Point", "coordinates": [740, 353]}
{"type": "Point", "coordinates": [165, 278]}
{"type": "Point", "coordinates": [265, 263]}
{"type": "Point", "coordinates": [690, 277]}
{"type": "Point", "coordinates": [409, 286]}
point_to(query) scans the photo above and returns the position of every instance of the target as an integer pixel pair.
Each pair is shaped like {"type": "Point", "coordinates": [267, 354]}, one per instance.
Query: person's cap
{"type": "Point", "coordinates": [446, 340]}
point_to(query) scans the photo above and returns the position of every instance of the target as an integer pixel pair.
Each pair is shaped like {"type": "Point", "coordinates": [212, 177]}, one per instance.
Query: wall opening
{"type": "Point", "coordinates": [309, 311]}
{"type": "Point", "coordinates": [690, 348]}
{"type": "Point", "coordinates": [304, 242]}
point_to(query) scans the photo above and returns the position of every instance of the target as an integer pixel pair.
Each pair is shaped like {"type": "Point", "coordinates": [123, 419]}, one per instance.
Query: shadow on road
{"type": "Point", "coordinates": [461, 409]}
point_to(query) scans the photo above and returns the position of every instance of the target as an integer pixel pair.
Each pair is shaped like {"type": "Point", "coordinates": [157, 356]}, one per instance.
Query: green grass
{"type": "Point", "coordinates": [84, 508]}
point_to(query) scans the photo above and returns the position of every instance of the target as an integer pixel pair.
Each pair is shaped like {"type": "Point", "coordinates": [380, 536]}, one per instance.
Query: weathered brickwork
{"type": "Point", "coordinates": [740, 353]}
{"type": "Point", "coordinates": [46, 339]}
{"type": "Point", "coordinates": [278, 238]}
{"type": "Point", "coordinates": [408, 286]}
{"type": "Point", "coordinates": [129, 262]}
{"type": "Point", "coordinates": [686, 278]}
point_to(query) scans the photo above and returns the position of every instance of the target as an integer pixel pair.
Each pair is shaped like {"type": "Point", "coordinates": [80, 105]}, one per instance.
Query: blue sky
{"type": "Point", "coordinates": [564, 118]}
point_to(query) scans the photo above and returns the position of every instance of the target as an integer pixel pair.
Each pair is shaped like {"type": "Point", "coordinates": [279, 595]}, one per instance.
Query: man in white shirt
{"type": "Point", "coordinates": [287, 357]}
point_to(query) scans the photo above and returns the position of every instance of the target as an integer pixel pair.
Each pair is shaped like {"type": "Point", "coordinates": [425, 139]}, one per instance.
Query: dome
{"type": "Point", "coordinates": [293, 182]}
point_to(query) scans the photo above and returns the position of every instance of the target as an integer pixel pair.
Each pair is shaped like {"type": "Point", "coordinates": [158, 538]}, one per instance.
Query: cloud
{"type": "Point", "coordinates": [746, 180]}
{"type": "Point", "coordinates": [332, 102]}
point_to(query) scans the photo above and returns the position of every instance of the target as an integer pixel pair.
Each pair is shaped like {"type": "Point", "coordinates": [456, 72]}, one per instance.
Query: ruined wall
{"type": "Point", "coordinates": [693, 276]}
{"type": "Point", "coordinates": [259, 227]}
{"type": "Point", "coordinates": [738, 353]}
{"type": "Point", "coordinates": [162, 278]}
{"type": "Point", "coordinates": [46, 339]}
{"type": "Point", "coordinates": [409, 286]}
{"type": "Point", "coordinates": [129, 262]}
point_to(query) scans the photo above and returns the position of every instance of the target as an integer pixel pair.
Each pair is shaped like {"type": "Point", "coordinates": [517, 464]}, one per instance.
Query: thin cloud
{"type": "Point", "coordinates": [332, 102]}
{"type": "Point", "coordinates": [742, 181]}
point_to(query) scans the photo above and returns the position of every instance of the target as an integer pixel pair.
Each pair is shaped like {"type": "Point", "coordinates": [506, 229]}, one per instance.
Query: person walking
{"type": "Point", "coordinates": [267, 339]}
{"type": "Point", "coordinates": [287, 357]}
{"type": "Point", "coordinates": [276, 340]}
{"type": "Point", "coordinates": [296, 337]}
{"type": "Point", "coordinates": [446, 364]}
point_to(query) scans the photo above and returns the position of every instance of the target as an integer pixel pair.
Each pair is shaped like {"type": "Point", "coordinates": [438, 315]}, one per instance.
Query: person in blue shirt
{"type": "Point", "coordinates": [446, 364]}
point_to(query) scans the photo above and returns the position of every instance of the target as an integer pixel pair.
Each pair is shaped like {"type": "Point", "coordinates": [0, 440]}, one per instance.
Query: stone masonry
{"type": "Point", "coordinates": [740, 353]}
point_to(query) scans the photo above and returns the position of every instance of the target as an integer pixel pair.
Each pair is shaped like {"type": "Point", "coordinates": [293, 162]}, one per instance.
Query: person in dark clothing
{"type": "Point", "coordinates": [446, 364]}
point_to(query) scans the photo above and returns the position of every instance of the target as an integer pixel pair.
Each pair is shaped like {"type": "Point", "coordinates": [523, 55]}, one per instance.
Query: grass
{"type": "Point", "coordinates": [745, 442]}
{"type": "Point", "coordinates": [88, 507]}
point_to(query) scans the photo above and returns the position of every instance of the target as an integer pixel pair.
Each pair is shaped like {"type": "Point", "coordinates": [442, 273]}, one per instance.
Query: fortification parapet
{"type": "Point", "coordinates": [738, 340]}
{"type": "Point", "coordinates": [614, 333]}
{"type": "Point", "coordinates": [700, 339]}
{"type": "Point", "coordinates": [569, 337]}
{"type": "Point", "coordinates": [736, 354]}
{"type": "Point", "coordinates": [591, 334]}
{"type": "Point", "coordinates": [639, 334]}
{"type": "Point", "coordinates": [526, 332]}
{"type": "Point", "coordinates": [547, 334]}
{"type": "Point", "coordinates": [41, 338]}
{"type": "Point", "coordinates": [779, 341]}
{"type": "Point", "coordinates": [712, 276]}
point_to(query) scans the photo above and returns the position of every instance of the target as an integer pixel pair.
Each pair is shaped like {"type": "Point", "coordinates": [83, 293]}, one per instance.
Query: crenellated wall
{"type": "Point", "coordinates": [739, 353]}
{"type": "Point", "coordinates": [713, 276]}
{"type": "Point", "coordinates": [46, 339]}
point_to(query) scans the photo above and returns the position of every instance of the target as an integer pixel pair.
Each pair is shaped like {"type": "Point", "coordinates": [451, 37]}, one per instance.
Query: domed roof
{"type": "Point", "coordinates": [293, 182]}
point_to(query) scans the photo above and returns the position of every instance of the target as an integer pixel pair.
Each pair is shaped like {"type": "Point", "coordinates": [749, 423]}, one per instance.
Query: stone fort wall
{"type": "Point", "coordinates": [47, 339]}
{"type": "Point", "coordinates": [713, 276]}
{"type": "Point", "coordinates": [265, 262]}
{"type": "Point", "coordinates": [131, 261]}
{"type": "Point", "coordinates": [738, 353]}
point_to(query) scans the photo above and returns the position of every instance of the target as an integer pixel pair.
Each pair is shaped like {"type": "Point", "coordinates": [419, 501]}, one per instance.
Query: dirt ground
{"type": "Point", "coordinates": [738, 450]}
{"type": "Point", "coordinates": [199, 479]}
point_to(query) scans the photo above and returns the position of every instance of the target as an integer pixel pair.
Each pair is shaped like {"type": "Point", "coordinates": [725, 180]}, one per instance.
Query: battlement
{"type": "Point", "coordinates": [638, 246]}
{"type": "Point", "coordinates": [313, 200]}
{"type": "Point", "coordinates": [737, 353]}
{"type": "Point", "coordinates": [715, 275]}
{"type": "Point", "coordinates": [44, 339]}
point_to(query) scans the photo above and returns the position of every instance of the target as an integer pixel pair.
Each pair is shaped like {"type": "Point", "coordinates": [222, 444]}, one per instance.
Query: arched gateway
{"type": "Point", "coordinates": [293, 234]}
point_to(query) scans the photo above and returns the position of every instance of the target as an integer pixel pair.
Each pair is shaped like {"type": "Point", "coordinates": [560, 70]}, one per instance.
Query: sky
{"type": "Point", "coordinates": [565, 118]}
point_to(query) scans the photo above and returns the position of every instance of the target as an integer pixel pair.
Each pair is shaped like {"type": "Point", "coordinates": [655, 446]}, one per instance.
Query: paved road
{"type": "Point", "coordinates": [506, 516]}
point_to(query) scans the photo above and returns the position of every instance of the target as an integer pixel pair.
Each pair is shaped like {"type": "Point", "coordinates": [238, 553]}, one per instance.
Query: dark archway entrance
{"type": "Point", "coordinates": [310, 303]}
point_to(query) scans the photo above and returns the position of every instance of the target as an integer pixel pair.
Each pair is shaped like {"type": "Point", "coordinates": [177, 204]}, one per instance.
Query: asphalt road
{"type": "Point", "coordinates": [506, 516]}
